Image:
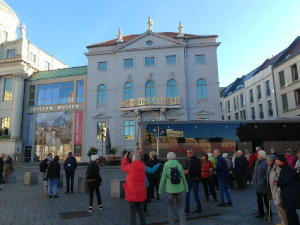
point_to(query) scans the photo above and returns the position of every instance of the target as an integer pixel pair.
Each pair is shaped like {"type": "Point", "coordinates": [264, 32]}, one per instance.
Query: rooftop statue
{"type": "Point", "coordinates": [120, 36]}
{"type": "Point", "coordinates": [150, 24]}
{"type": "Point", "coordinates": [180, 28]}
{"type": "Point", "coordinates": [22, 30]}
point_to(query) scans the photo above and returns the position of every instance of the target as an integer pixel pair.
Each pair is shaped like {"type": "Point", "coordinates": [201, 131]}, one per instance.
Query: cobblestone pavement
{"type": "Point", "coordinates": [22, 204]}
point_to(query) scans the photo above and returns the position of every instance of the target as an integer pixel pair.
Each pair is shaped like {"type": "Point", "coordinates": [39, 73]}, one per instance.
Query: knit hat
{"type": "Point", "coordinates": [281, 158]}
{"type": "Point", "coordinates": [210, 154]}
{"type": "Point", "coordinates": [94, 157]}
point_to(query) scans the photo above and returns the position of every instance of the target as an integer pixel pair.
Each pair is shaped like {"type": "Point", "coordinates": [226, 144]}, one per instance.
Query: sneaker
{"type": "Point", "coordinates": [229, 203]}
{"type": "Point", "coordinates": [100, 207]}
{"type": "Point", "coordinates": [67, 192]}
{"type": "Point", "coordinates": [90, 209]}
{"type": "Point", "coordinates": [221, 205]}
{"type": "Point", "coordinates": [46, 194]}
{"type": "Point", "coordinates": [55, 196]}
{"type": "Point", "coordinates": [207, 199]}
{"type": "Point", "coordinates": [216, 200]}
{"type": "Point", "coordinates": [198, 211]}
{"type": "Point", "coordinates": [50, 196]}
{"type": "Point", "coordinates": [187, 211]}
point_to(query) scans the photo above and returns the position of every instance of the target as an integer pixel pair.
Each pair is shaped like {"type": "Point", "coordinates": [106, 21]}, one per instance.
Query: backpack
{"type": "Point", "coordinates": [175, 176]}
{"type": "Point", "coordinates": [43, 167]}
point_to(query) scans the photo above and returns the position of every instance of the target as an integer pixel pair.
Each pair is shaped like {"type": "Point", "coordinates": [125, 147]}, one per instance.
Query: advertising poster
{"type": "Point", "coordinates": [78, 133]}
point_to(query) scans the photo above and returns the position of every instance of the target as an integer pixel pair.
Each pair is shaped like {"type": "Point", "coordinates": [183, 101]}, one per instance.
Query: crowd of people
{"type": "Point", "coordinates": [273, 177]}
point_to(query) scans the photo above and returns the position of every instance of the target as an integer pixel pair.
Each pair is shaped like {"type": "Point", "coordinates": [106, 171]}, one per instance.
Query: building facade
{"type": "Point", "coordinates": [18, 60]}
{"type": "Point", "coordinates": [54, 114]}
{"type": "Point", "coordinates": [146, 77]}
{"type": "Point", "coordinates": [269, 91]}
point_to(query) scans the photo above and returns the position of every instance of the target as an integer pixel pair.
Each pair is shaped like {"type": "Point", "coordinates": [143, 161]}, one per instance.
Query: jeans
{"type": "Point", "coordinates": [207, 183]}
{"type": "Point", "coordinates": [133, 208]}
{"type": "Point", "coordinates": [195, 187]}
{"type": "Point", "coordinates": [223, 184]}
{"type": "Point", "coordinates": [292, 217]}
{"type": "Point", "coordinates": [91, 193]}
{"type": "Point", "coordinates": [260, 198]}
{"type": "Point", "coordinates": [68, 176]}
{"type": "Point", "coordinates": [52, 182]}
{"type": "Point", "coordinates": [179, 202]}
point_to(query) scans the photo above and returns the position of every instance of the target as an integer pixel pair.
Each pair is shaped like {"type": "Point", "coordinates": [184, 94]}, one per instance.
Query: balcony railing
{"type": "Point", "coordinates": [150, 101]}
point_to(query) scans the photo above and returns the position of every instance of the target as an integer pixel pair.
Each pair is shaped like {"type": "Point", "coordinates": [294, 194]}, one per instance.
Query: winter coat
{"type": "Point", "coordinates": [93, 178]}
{"type": "Point", "coordinates": [205, 166]}
{"type": "Point", "coordinates": [165, 178]}
{"type": "Point", "coordinates": [54, 170]}
{"type": "Point", "coordinates": [251, 160]}
{"type": "Point", "coordinates": [240, 167]}
{"type": "Point", "coordinates": [290, 159]}
{"type": "Point", "coordinates": [274, 173]}
{"type": "Point", "coordinates": [9, 164]}
{"type": "Point", "coordinates": [260, 175]}
{"type": "Point", "coordinates": [221, 168]}
{"type": "Point", "coordinates": [135, 185]}
{"type": "Point", "coordinates": [150, 171]}
{"type": "Point", "coordinates": [194, 169]}
{"type": "Point", "coordinates": [152, 163]}
{"type": "Point", "coordinates": [289, 185]}
{"type": "Point", "coordinates": [1, 165]}
{"type": "Point", "coordinates": [70, 165]}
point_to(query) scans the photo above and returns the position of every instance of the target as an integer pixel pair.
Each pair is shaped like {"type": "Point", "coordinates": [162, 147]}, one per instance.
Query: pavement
{"type": "Point", "coordinates": [27, 205]}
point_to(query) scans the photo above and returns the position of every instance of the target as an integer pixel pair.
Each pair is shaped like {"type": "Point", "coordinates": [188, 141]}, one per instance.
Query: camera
{"type": "Point", "coordinates": [128, 154]}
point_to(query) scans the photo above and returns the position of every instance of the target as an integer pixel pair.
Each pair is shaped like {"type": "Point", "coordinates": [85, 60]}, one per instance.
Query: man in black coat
{"type": "Point", "coordinates": [70, 166]}
{"type": "Point", "coordinates": [192, 170]}
{"type": "Point", "coordinates": [289, 186]}
{"type": "Point", "coordinates": [1, 168]}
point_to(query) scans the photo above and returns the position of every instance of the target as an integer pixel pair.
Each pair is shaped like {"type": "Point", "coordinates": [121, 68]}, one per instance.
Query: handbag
{"type": "Point", "coordinates": [45, 177]}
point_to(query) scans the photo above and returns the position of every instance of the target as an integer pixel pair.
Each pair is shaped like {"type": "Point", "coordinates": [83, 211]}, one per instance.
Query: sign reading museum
{"type": "Point", "coordinates": [56, 107]}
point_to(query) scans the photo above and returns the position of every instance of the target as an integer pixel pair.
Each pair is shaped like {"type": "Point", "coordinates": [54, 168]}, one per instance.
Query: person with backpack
{"type": "Point", "coordinates": [174, 179]}
{"type": "Point", "coordinates": [53, 175]}
{"type": "Point", "coordinates": [192, 170]}
{"type": "Point", "coordinates": [94, 180]}
{"type": "Point", "coordinates": [70, 166]}
{"type": "Point", "coordinates": [43, 166]}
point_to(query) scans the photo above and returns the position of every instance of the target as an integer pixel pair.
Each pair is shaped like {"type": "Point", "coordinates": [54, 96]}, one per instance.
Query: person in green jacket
{"type": "Point", "coordinates": [173, 190]}
{"type": "Point", "coordinates": [215, 179]}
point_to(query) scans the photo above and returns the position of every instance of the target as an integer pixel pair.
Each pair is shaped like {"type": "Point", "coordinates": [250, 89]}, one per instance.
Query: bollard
{"type": "Point", "coordinates": [117, 190]}
{"type": "Point", "coordinates": [60, 182]}
{"type": "Point", "coordinates": [82, 187]}
{"type": "Point", "coordinates": [31, 178]}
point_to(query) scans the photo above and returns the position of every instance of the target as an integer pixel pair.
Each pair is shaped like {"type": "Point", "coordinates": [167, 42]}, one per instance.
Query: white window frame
{"type": "Point", "coordinates": [102, 62]}
{"type": "Point", "coordinates": [176, 61]}
{"type": "Point", "coordinates": [200, 64]}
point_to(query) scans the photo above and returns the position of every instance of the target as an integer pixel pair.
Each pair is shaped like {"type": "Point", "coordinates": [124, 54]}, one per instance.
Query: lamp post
{"type": "Point", "coordinates": [102, 132]}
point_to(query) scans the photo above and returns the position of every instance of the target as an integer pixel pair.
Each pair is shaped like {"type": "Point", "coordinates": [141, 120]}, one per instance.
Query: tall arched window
{"type": "Point", "coordinates": [172, 89]}
{"type": "Point", "coordinates": [150, 89]}
{"type": "Point", "coordinates": [128, 91]}
{"type": "Point", "coordinates": [202, 89]}
{"type": "Point", "coordinates": [102, 94]}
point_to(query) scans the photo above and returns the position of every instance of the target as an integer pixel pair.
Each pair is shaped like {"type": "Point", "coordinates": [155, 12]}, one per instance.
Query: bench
{"type": "Point", "coordinates": [117, 190]}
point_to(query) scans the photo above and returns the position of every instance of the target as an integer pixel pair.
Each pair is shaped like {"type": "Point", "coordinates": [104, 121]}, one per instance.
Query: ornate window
{"type": "Point", "coordinates": [102, 94]}
{"type": "Point", "coordinates": [150, 89]}
{"type": "Point", "coordinates": [202, 89]}
{"type": "Point", "coordinates": [172, 89]}
{"type": "Point", "coordinates": [128, 91]}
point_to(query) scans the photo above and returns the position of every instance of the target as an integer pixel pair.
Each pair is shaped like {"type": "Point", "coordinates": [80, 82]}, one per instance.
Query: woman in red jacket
{"type": "Point", "coordinates": [135, 187]}
{"type": "Point", "coordinates": [206, 177]}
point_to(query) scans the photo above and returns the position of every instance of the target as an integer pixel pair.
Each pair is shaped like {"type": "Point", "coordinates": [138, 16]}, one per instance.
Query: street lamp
{"type": "Point", "coordinates": [102, 134]}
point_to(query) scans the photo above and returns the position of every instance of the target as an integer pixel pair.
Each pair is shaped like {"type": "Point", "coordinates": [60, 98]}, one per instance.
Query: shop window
{"type": "Point", "coordinates": [101, 131]}
{"type": "Point", "coordinates": [8, 89]}
{"type": "Point", "coordinates": [128, 130]}
{"type": "Point", "coordinates": [80, 91]}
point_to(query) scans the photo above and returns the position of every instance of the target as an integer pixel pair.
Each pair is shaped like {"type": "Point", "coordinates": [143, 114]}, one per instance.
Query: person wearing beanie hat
{"type": "Point", "coordinates": [290, 158]}
{"type": "Point", "coordinates": [289, 186]}
{"type": "Point", "coordinates": [70, 166]}
{"type": "Point", "coordinates": [260, 184]}
{"type": "Point", "coordinates": [94, 180]}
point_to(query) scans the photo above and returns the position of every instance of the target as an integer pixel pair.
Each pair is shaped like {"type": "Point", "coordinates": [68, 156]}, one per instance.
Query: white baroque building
{"type": "Point", "coordinates": [149, 76]}
{"type": "Point", "coordinates": [18, 60]}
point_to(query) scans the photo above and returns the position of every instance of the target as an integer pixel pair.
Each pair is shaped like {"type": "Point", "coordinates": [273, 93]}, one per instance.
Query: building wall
{"type": "Point", "coordinates": [289, 88]}
{"type": "Point", "coordinates": [185, 72]}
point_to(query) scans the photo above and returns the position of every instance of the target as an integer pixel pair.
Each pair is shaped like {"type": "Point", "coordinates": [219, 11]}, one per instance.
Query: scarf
{"type": "Point", "coordinates": [50, 159]}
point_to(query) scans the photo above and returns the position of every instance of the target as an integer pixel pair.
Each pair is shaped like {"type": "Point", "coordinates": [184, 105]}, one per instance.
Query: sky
{"type": "Point", "coordinates": [250, 31]}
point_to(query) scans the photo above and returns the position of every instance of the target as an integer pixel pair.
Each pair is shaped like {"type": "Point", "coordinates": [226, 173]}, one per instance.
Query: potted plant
{"type": "Point", "coordinates": [92, 151]}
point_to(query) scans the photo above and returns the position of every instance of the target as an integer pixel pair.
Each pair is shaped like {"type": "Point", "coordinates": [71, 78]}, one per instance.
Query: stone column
{"type": "Point", "coordinates": [18, 98]}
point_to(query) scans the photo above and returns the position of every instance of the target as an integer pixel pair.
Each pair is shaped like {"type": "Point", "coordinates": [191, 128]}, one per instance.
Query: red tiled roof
{"type": "Point", "coordinates": [131, 36]}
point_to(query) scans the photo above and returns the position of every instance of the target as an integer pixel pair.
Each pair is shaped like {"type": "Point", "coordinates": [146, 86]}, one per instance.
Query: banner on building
{"type": "Point", "coordinates": [78, 133]}
{"type": "Point", "coordinates": [29, 130]}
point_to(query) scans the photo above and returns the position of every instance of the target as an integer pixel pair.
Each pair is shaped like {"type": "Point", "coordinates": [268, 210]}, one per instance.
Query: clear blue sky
{"type": "Point", "coordinates": [250, 31]}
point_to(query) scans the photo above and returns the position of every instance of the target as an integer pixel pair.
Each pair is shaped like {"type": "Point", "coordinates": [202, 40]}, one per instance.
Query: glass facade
{"type": "Point", "coordinates": [57, 93]}
{"type": "Point", "coordinates": [79, 91]}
